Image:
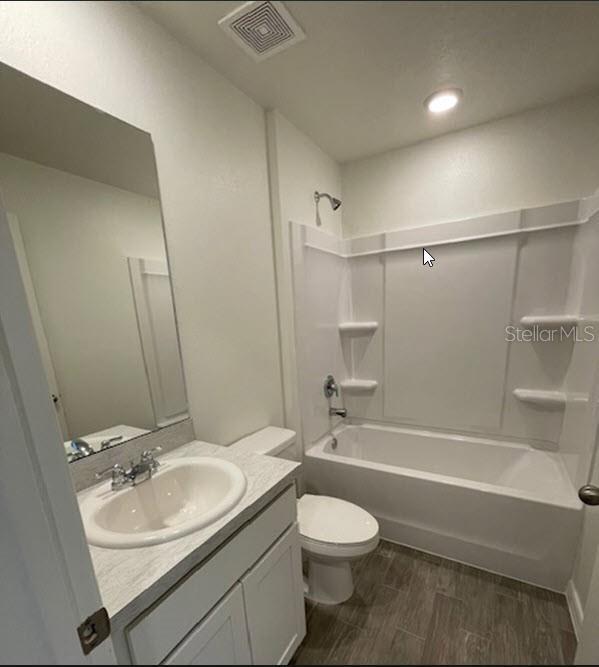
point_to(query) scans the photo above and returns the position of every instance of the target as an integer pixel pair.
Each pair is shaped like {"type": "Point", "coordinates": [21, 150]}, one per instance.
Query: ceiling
{"type": "Point", "coordinates": [356, 85]}
{"type": "Point", "coordinates": [41, 124]}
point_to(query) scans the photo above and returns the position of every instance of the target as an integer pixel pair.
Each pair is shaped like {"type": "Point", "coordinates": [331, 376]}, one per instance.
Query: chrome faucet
{"type": "Point", "coordinates": [119, 476]}
{"type": "Point", "coordinates": [330, 389]}
{"type": "Point", "coordinates": [105, 444]}
{"type": "Point", "coordinates": [337, 412]}
{"type": "Point", "coordinates": [147, 463]}
{"type": "Point", "coordinates": [81, 449]}
{"type": "Point", "coordinates": [137, 472]}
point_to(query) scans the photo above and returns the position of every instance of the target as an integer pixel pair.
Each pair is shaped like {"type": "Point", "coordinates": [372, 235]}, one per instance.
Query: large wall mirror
{"type": "Point", "coordinates": [80, 192]}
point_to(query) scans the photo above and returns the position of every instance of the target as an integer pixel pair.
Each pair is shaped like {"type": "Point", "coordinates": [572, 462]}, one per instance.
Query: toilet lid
{"type": "Point", "coordinates": [329, 519]}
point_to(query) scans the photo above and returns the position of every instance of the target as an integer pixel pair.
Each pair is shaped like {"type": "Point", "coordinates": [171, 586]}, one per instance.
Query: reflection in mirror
{"type": "Point", "coordinates": [81, 195]}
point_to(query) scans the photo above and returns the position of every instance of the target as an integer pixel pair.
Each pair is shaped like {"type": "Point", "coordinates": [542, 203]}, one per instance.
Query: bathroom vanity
{"type": "Point", "coordinates": [229, 593]}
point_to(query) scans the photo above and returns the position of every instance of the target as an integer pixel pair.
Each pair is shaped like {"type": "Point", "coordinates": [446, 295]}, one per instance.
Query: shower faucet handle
{"type": "Point", "coordinates": [330, 387]}
{"type": "Point", "coordinates": [589, 494]}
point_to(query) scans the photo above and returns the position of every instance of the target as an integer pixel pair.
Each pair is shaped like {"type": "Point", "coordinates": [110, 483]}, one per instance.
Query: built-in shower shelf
{"type": "Point", "coordinates": [549, 321]}
{"type": "Point", "coordinates": [358, 386]}
{"type": "Point", "coordinates": [358, 328]}
{"type": "Point", "coordinates": [542, 397]}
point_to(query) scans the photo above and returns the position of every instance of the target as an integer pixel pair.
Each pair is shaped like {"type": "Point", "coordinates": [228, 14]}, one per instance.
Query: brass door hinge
{"type": "Point", "coordinates": [94, 630]}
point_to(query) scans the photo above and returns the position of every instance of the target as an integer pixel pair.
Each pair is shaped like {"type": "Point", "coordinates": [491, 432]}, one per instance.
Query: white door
{"type": "Point", "coordinates": [274, 602]}
{"type": "Point", "coordinates": [47, 582]}
{"type": "Point", "coordinates": [588, 645]}
{"type": "Point", "coordinates": [38, 327]}
{"type": "Point", "coordinates": [220, 639]}
{"type": "Point", "coordinates": [157, 327]}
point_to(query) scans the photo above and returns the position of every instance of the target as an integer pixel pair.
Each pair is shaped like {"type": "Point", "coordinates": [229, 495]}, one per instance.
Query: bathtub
{"type": "Point", "coordinates": [503, 507]}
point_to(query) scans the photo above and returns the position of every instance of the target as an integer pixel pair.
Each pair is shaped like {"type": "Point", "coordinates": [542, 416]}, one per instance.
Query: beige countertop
{"type": "Point", "coordinates": [130, 580]}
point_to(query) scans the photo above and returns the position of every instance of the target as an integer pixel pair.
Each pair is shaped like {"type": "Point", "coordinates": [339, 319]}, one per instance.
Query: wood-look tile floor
{"type": "Point", "coordinates": [412, 608]}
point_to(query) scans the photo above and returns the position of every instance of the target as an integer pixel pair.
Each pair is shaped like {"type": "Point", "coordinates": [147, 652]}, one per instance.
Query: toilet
{"type": "Point", "coordinates": [333, 532]}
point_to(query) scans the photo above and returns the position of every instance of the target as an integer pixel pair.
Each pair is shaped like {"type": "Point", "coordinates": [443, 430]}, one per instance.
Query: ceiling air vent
{"type": "Point", "coordinates": [262, 28]}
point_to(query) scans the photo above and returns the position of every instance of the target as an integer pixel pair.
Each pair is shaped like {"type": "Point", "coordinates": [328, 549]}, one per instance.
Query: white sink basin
{"type": "Point", "coordinates": [185, 494]}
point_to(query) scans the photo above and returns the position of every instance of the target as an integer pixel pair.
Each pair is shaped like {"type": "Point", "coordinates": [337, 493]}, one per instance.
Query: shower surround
{"type": "Point", "coordinates": [424, 351]}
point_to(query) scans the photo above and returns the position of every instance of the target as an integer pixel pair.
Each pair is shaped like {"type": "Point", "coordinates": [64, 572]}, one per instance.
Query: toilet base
{"type": "Point", "coordinates": [329, 582]}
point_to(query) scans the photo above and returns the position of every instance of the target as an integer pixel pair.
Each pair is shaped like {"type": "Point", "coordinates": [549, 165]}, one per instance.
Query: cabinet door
{"type": "Point", "coordinates": [273, 592]}
{"type": "Point", "coordinates": [220, 639]}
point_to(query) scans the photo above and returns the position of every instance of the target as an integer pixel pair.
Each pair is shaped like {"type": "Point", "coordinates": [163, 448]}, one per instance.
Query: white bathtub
{"type": "Point", "coordinates": [504, 507]}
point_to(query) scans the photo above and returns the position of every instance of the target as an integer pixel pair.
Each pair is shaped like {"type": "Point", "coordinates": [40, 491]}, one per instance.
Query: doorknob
{"type": "Point", "coordinates": [589, 494]}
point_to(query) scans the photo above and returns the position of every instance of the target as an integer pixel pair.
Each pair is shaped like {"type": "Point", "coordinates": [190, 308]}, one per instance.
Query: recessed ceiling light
{"type": "Point", "coordinates": [443, 100]}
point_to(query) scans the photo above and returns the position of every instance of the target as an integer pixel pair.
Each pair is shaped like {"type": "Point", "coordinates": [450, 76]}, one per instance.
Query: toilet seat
{"type": "Point", "coordinates": [335, 528]}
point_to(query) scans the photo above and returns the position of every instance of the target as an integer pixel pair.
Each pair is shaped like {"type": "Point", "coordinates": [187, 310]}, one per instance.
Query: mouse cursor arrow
{"type": "Point", "coordinates": [427, 258]}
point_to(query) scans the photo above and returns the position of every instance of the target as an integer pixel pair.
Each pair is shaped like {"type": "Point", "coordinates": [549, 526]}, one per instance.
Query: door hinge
{"type": "Point", "coordinates": [94, 630]}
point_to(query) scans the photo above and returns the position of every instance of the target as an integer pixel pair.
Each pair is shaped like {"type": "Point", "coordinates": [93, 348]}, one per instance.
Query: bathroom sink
{"type": "Point", "coordinates": [184, 495]}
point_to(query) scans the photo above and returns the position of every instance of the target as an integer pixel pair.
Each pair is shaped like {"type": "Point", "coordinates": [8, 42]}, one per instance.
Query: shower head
{"type": "Point", "coordinates": [335, 203]}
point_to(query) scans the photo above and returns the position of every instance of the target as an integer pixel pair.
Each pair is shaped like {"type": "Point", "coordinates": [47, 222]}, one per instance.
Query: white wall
{"type": "Point", "coordinates": [297, 168]}
{"type": "Point", "coordinates": [303, 168]}
{"type": "Point", "coordinates": [211, 159]}
{"type": "Point", "coordinates": [530, 159]}
{"type": "Point", "coordinates": [77, 235]}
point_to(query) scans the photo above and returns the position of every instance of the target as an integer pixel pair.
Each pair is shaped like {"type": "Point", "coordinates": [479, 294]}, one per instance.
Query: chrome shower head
{"type": "Point", "coordinates": [335, 203]}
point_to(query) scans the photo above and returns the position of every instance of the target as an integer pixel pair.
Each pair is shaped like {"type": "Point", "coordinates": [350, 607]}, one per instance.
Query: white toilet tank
{"type": "Point", "coordinates": [272, 441]}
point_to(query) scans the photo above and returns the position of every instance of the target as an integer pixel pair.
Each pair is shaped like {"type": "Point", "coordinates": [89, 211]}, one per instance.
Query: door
{"type": "Point", "coordinates": [588, 639]}
{"type": "Point", "coordinates": [588, 645]}
{"type": "Point", "coordinates": [220, 639]}
{"type": "Point", "coordinates": [47, 583]}
{"type": "Point", "coordinates": [38, 327]}
{"type": "Point", "coordinates": [274, 602]}
{"type": "Point", "coordinates": [158, 337]}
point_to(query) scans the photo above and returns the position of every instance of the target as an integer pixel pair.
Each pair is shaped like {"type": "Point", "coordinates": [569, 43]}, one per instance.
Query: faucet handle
{"type": "Point", "coordinates": [108, 442]}
{"type": "Point", "coordinates": [149, 453]}
{"type": "Point", "coordinates": [116, 470]}
{"type": "Point", "coordinates": [119, 476]}
{"type": "Point", "coordinates": [330, 387]}
{"type": "Point", "coordinates": [147, 456]}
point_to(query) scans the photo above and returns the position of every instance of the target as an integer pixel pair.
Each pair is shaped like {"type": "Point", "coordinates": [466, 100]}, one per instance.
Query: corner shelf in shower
{"type": "Point", "coordinates": [542, 397]}
{"type": "Point", "coordinates": [354, 386]}
{"type": "Point", "coordinates": [358, 328]}
{"type": "Point", "coordinates": [549, 321]}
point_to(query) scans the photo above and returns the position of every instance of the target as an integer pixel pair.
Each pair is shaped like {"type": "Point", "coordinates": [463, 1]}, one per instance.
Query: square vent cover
{"type": "Point", "coordinates": [262, 28]}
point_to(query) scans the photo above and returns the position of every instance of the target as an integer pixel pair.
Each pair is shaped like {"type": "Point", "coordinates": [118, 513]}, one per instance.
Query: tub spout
{"type": "Point", "coordinates": [337, 412]}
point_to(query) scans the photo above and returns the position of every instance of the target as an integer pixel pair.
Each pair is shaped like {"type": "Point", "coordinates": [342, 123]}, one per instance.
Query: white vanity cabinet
{"type": "Point", "coordinates": [242, 605]}
{"type": "Point", "coordinates": [274, 602]}
{"type": "Point", "coordinates": [221, 639]}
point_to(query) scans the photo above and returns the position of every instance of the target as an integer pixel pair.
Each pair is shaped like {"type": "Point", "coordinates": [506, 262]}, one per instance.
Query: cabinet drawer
{"type": "Point", "coordinates": [220, 639]}
{"type": "Point", "coordinates": [154, 636]}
